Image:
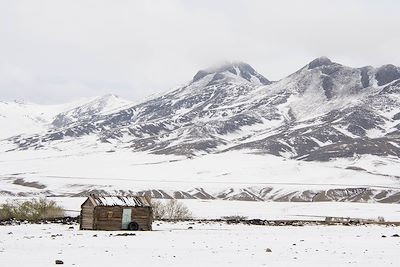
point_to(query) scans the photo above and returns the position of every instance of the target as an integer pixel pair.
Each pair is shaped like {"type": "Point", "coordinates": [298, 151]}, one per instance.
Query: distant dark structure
{"type": "Point", "coordinates": [116, 213]}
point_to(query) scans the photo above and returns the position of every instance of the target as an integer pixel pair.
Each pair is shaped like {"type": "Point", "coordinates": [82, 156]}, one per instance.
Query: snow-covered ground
{"type": "Point", "coordinates": [67, 173]}
{"type": "Point", "coordinates": [207, 244]}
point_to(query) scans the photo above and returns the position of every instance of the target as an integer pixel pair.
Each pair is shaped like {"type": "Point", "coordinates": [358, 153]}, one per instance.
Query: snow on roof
{"type": "Point", "coordinates": [127, 201]}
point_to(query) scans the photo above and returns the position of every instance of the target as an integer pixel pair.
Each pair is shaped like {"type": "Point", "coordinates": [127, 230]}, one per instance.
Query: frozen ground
{"type": "Point", "coordinates": [207, 244]}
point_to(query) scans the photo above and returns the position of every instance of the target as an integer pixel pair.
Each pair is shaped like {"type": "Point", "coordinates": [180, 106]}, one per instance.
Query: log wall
{"type": "Point", "coordinates": [143, 216]}
{"type": "Point", "coordinates": [110, 218]}
{"type": "Point", "coordinates": [87, 216]}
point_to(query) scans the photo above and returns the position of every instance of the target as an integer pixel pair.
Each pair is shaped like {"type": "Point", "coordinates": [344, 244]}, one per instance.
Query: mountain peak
{"type": "Point", "coordinates": [227, 66]}
{"type": "Point", "coordinates": [318, 62]}
{"type": "Point", "coordinates": [387, 73]}
{"type": "Point", "coordinates": [107, 98]}
{"type": "Point", "coordinates": [239, 69]}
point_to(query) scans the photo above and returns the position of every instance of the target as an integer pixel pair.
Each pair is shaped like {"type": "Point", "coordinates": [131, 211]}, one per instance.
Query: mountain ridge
{"type": "Point", "coordinates": [322, 104]}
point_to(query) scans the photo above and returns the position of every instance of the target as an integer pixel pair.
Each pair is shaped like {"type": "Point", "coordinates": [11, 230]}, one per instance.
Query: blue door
{"type": "Point", "coordinates": [126, 218]}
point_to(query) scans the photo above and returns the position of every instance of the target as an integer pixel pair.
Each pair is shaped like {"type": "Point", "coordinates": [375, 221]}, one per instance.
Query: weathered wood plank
{"type": "Point", "coordinates": [110, 218]}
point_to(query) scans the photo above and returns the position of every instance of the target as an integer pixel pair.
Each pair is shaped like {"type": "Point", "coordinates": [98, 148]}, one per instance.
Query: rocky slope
{"type": "Point", "coordinates": [323, 111]}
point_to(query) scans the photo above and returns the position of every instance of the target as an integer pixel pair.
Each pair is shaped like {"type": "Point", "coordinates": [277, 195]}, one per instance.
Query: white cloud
{"type": "Point", "coordinates": [135, 48]}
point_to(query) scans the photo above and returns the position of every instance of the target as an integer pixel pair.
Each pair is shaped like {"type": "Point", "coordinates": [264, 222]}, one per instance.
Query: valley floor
{"type": "Point", "coordinates": [232, 176]}
{"type": "Point", "coordinates": [206, 244]}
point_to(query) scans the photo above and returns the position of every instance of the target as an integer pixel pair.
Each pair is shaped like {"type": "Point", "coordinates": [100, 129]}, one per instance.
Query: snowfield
{"type": "Point", "coordinates": [61, 173]}
{"type": "Point", "coordinates": [206, 244]}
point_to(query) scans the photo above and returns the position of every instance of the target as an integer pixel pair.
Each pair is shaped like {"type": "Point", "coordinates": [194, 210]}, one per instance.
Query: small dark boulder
{"type": "Point", "coordinates": [126, 234]}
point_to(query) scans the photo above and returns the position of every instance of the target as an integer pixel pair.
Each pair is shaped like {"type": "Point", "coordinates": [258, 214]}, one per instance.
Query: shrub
{"type": "Point", "coordinates": [176, 210]}
{"type": "Point", "coordinates": [31, 210]}
{"type": "Point", "coordinates": [158, 209]}
{"type": "Point", "coordinates": [171, 210]}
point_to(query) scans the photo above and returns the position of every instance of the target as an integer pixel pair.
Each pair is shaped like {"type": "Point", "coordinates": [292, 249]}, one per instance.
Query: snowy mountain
{"type": "Point", "coordinates": [26, 119]}
{"type": "Point", "coordinates": [88, 109]}
{"type": "Point", "coordinates": [325, 111]}
{"type": "Point", "coordinates": [21, 118]}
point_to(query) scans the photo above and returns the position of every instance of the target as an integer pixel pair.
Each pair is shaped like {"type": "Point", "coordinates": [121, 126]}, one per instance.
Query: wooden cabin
{"type": "Point", "coordinates": [116, 213]}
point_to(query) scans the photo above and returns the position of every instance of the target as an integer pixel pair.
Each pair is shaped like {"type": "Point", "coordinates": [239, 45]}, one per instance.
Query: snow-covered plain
{"type": "Point", "coordinates": [207, 244]}
{"type": "Point", "coordinates": [67, 173]}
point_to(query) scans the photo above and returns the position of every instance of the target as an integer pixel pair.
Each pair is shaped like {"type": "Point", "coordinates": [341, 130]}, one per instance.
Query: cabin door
{"type": "Point", "coordinates": [126, 218]}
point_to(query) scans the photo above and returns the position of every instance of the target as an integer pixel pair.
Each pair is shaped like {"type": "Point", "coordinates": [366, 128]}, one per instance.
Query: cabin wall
{"type": "Point", "coordinates": [108, 218]}
{"type": "Point", "coordinates": [143, 216]}
{"type": "Point", "coordinates": [87, 212]}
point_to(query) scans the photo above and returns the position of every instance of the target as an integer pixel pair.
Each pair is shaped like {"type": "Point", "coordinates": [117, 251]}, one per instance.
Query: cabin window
{"type": "Point", "coordinates": [109, 214]}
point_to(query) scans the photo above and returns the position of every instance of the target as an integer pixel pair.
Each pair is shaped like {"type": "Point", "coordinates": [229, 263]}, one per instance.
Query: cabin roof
{"type": "Point", "coordinates": [125, 201]}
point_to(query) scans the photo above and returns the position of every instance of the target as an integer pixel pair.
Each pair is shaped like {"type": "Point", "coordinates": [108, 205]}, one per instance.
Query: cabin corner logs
{"type": "Point", "coordinates": [116, 213]}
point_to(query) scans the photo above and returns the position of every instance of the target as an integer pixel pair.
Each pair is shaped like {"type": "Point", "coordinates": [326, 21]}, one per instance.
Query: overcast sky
{"type": "Point", "coordinates": [55, 51]}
